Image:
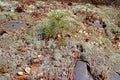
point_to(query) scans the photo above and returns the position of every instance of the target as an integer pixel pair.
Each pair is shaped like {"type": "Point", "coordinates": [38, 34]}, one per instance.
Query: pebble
{"type": "Point", "coordinates": [20, 73]}
{"type": "Point", "coordinates": [27, 70]}
{"type": "Point", "coordinates": [15, 26]}
{"type": "Point", "coordinates": [97, 23]}
{"type": "Point", "coordinates": [80, 71]}
{"type": "Point", "coordinates": [41, 57]}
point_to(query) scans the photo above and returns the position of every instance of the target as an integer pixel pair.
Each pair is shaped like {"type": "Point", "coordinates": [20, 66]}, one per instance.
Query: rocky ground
{"type": "Point", "coordinates": [51, 40]}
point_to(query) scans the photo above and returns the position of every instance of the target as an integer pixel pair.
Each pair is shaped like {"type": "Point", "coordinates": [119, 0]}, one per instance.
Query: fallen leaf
{"type": "Point", "coordinates": [22, 48]}
{"type": "Point", "coordinates": [35, 61]}
{"type": "Point", "coordinates": [34, 68]}
{"type": "Point", "coordinates": [76, 55]}
{"type": "Point", "coordinates": [23, 28]}
{"type": "Point", "coordinates": [90, 34]}
{"type": "Point", "coordinates": [40, 74]}
{"type": "Point", "coordinates": [9, 32]}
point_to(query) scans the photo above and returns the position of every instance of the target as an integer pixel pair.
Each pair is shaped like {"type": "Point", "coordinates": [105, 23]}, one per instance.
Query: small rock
{"type": "Point", "coordinates": [40, 74]}
{"type": "Point", "coordinates": [80, 71]}
{"type": "Point", "coordinates": [15, 25]}
{"type": "Point", "coordinates": [35, 61]}
{"type": "Point", "coordinates": [97, 23]}
{"type": "Point", "coordinates": [27, 70]}
{"type": "Point", "coordinates": [20, 73]}
{"type": "Point", "coordinates": [41, 57]}
{"type": "Point", "coordinates": [40, 3]}
{"type": "Point", "coordinates": [113, 75]}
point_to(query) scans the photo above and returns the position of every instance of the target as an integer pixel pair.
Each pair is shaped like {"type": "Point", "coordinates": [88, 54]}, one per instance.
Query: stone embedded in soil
{"type": "Point", "coordinates": [116, 77]}
{"type": "Point", "coordinates": [80, 71]}
{"type": "Point", "coordinates": [28, 70]}
{"type": "Point", "coordinates": [113, 76]}
{"type": "Point", "coordinates": [97, 23]}
{"type": "Point", "coordinates": [12, 27]}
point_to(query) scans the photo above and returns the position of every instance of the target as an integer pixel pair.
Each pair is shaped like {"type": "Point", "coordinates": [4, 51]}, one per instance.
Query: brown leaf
{"type": "Point", "coordinates": [22, 48]}
{"type": "Point", "coordinates": [35, 61]}
{"type": "Point", "coordinates": [34, 68]}
{"type": "Point", "coordinates": [76, 55]}
{"type": "Point", "coordinates": [9, 32]}
{"type": "Point", "coordinates": [20, 77]}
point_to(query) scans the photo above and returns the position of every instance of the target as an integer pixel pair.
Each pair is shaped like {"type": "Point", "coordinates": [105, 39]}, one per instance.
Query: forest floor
{"type": "Point", "coordinates": [51, 40]}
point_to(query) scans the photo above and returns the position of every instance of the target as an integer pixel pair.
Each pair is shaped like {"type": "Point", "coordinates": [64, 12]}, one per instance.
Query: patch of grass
{"type": "Point", "coordinates": [56, 24]}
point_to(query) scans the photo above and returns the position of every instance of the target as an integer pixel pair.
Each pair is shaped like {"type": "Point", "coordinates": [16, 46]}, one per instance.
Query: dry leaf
{"type": "Point", "coordinates": [35, 61]}
{"type": "Point", "coordinates": [23, 28]}
{"type": "Point", "coordinates": [22, 48]}
{"type": "Point", "coordinates": [9, 32]}
{"type": "Point", "coordinates": [76, 55]}
{"type": "Point", "coordinates": [34, 68]}
{"type": "Point", "coordinates": [20, 77]}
